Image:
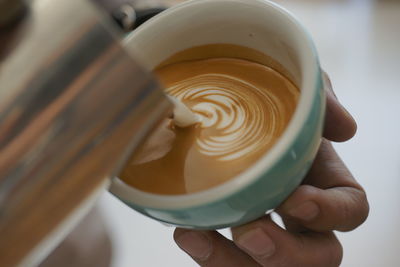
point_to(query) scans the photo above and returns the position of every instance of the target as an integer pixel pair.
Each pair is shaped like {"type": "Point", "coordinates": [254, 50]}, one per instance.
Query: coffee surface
{"type": "Point", "coordinates": [244, 108]}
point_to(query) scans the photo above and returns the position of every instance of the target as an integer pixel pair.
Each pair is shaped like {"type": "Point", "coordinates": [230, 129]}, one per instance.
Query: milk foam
{"type": "Point", "coordinates": [236, 109]}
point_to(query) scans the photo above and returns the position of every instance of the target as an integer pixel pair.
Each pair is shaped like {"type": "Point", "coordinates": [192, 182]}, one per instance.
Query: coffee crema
{"type": "Point", "coordinates": [244, 108]}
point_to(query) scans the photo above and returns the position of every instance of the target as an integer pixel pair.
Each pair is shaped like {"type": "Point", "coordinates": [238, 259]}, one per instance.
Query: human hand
{"type": "Point", "coordinates": [329, 199]}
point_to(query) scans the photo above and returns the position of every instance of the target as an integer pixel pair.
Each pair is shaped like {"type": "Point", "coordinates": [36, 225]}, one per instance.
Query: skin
{"type": "Point", "coordinates": [330, 199]}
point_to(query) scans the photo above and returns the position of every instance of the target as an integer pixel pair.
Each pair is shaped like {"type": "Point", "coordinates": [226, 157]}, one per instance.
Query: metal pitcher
{"type": "Point", "coordinates": [73, 107]}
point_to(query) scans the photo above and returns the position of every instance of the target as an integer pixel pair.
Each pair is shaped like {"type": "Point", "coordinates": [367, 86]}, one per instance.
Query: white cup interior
{"type": "Point", "coordinates": [256, 24]}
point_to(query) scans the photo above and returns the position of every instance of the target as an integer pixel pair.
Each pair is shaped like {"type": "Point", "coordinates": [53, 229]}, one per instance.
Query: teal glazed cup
{"type": "Point", "coordinates": [268, 28]}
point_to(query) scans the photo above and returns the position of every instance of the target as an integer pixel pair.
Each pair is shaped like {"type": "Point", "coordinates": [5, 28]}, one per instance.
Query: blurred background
{"type": "Point", "coordinates": [358, 42]}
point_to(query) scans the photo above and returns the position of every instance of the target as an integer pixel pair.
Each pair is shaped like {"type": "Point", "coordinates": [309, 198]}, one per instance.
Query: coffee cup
{"type": "Point", "coordinates": [268, 28]}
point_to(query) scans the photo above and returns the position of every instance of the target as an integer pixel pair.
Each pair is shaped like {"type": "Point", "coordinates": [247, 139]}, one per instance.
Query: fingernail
{"type": "Point", "coordinates": [306, 211]}
{"type": "Point", "coordinates": [196, 244]}
{"type": "Point", "coordinates": [257, 243]}
{"type": "Point", "coordinates": [328, 84]}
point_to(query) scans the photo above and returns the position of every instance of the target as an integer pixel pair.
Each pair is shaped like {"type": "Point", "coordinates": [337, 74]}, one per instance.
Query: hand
{"type": "Point", "coordinates": [329, 199]}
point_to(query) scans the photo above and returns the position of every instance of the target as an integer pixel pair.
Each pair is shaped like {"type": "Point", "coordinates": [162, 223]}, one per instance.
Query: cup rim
{"type": "Point", "coordinates": [172, 202]}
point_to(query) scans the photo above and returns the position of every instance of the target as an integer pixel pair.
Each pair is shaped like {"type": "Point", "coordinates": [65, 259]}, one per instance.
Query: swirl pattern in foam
{"type": "Point", "coordinates": [240, 115]}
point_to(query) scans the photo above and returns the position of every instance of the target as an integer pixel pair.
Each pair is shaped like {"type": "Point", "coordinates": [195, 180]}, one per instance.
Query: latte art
{"type": "Point", "coordinates": [243, 106]}
{"type": "Point", "coordinates": [238, 118]}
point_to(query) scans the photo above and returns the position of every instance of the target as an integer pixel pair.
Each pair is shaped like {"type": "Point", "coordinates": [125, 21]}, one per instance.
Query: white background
{"type": "Point", "coordinates": [359, 43]}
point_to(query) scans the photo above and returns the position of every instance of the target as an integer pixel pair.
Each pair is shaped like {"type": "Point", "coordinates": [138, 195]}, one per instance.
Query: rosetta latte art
{"type": "Point", "coordinates": [242, 118]}
{"type": "Point", "coordinates": [238, 118]}
{"type": "Point", "coordinates": [244, 108]}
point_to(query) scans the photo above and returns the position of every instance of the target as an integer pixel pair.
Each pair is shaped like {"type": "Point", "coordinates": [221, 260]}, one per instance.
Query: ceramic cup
{"type": "Point", "coordinates": [268, 28]}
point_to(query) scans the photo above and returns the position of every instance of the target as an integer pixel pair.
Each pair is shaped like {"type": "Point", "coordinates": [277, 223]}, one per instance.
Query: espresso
{"type": "Point", "coordinates": [244, 108]}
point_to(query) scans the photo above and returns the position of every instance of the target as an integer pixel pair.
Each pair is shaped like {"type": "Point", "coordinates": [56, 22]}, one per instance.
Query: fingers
{"type": "Point", "coordinates": [270, 245]}
{"type": "Point", "coordinates": [340, 208]}
{"type": "Point", "coordinates": [339, 124]}
{"type": "Point", "coordinates": [328, 170]}
{"type": "Point", "coordinates": [331, 200]}
{"type": "Point", "coordinates": [211, 249]}
{"type": "Point", "coordinates": [261, 242]}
